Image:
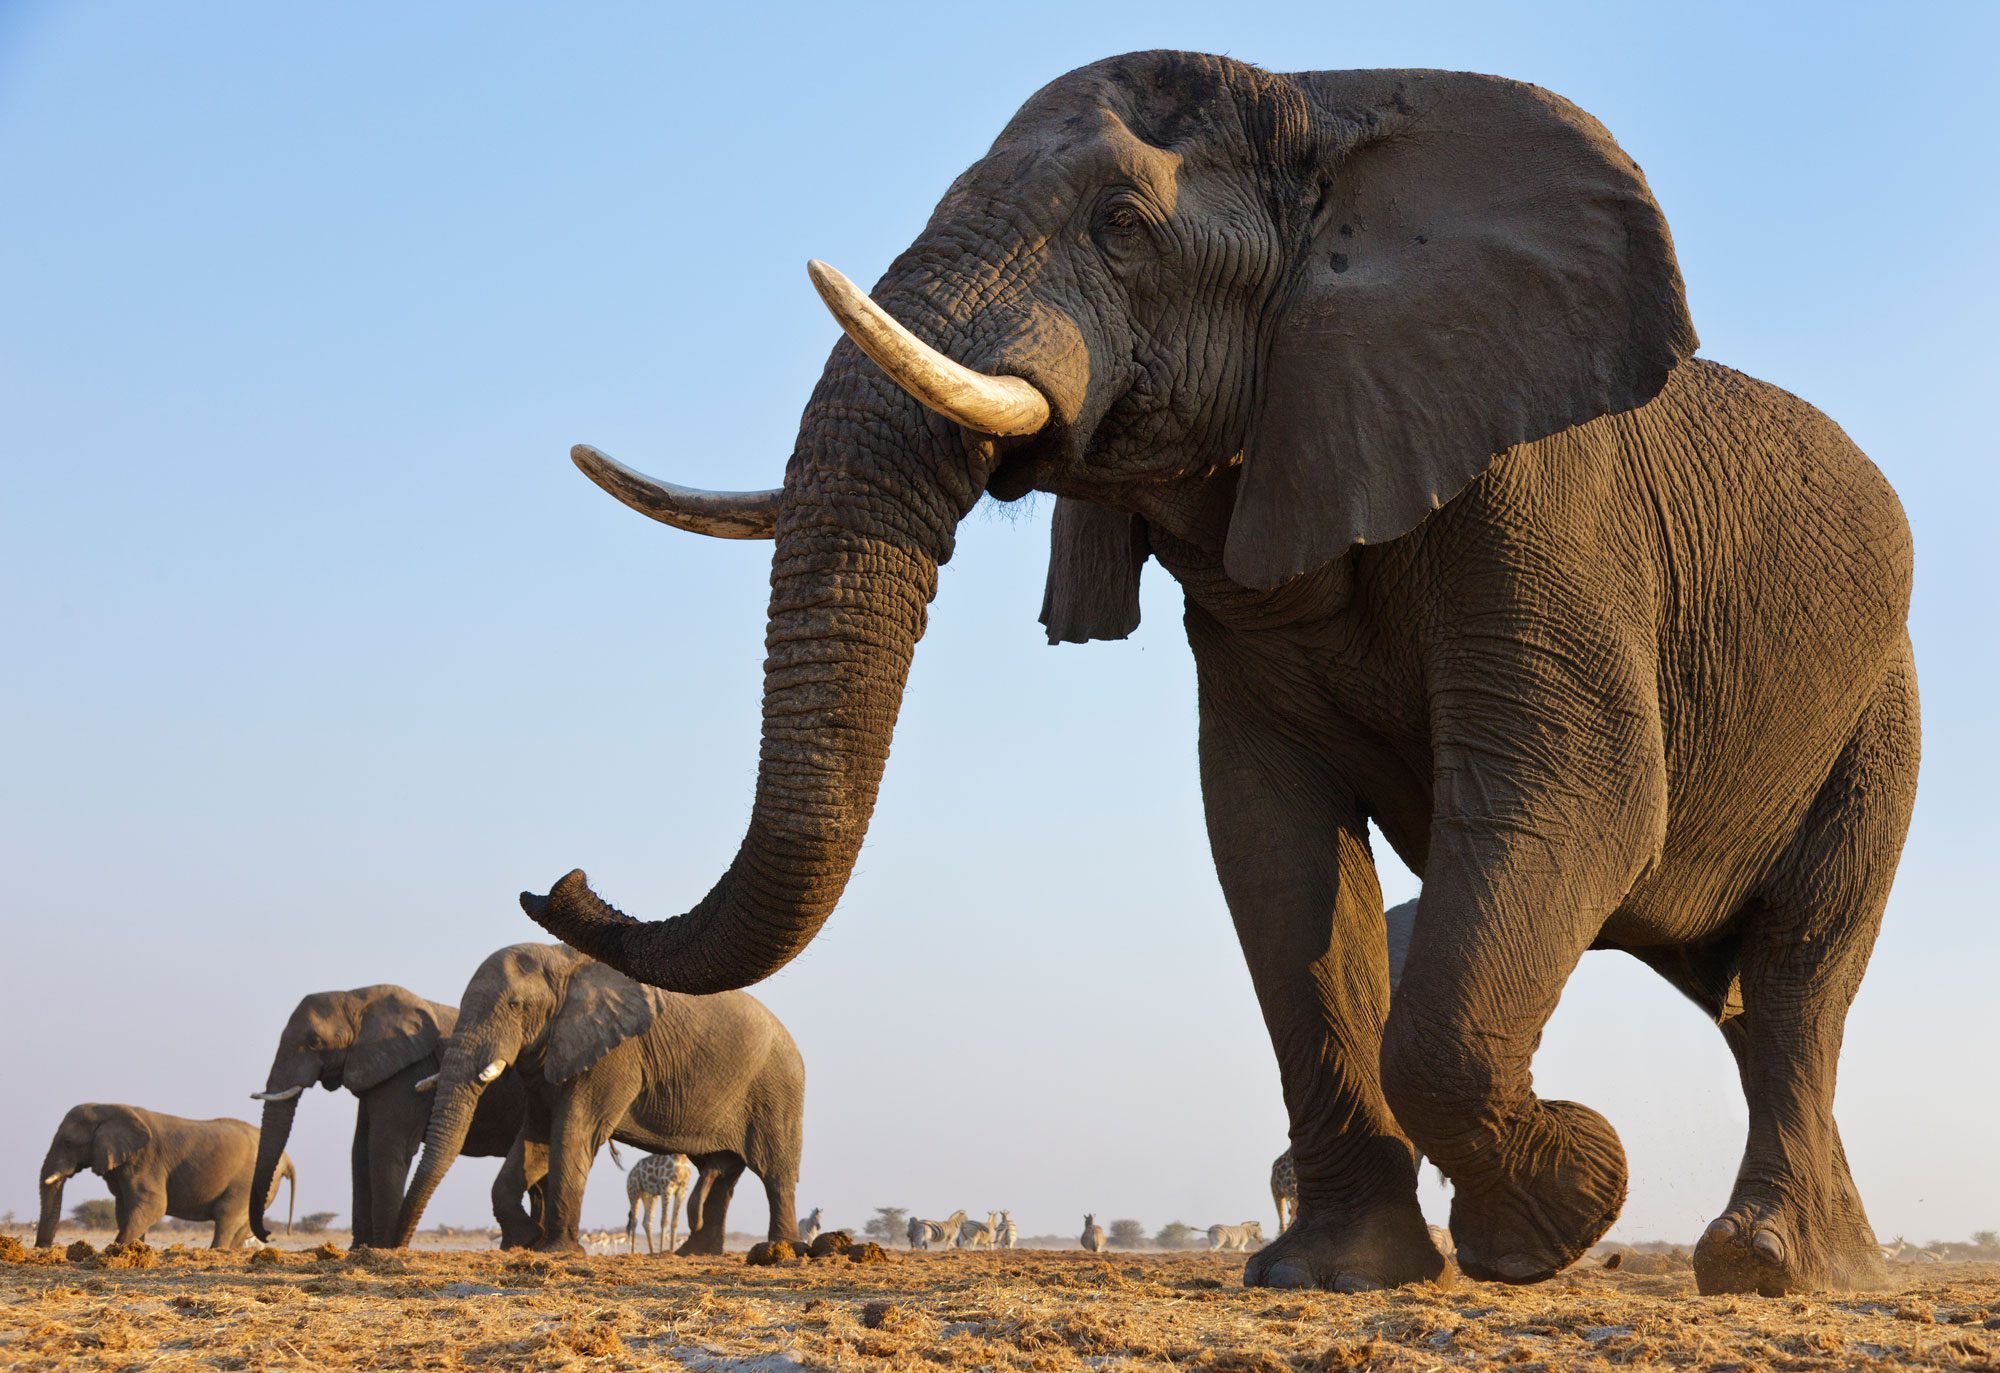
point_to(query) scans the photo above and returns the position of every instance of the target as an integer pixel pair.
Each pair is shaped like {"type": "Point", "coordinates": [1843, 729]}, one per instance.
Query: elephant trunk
{"type": "Point", "coordinates": [871, 507]}
{"type": "Point", "coordinates": [451, 1119]}
{"type": "Point", "coordinates": [52, 1197]}
{"type": "Point", "coordinates": [273, 1135]}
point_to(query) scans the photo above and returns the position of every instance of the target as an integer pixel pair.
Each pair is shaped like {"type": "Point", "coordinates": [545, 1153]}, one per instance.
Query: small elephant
{"type": "Point", "coordinates": [159, 1165]}
{"type": "Point", "coordinates": [379, 1042]}
{"type": "Point", "coordinates": [602, 1057]}
{"type": "Point", "coordinates": [1394, 373]}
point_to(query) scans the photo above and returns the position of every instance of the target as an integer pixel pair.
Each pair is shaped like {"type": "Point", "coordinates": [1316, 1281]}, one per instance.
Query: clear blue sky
{"type": "Point", "coordinates": [319, 650]}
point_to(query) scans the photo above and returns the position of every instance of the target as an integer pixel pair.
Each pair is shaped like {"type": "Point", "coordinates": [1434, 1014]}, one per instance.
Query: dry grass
{"type": "Point", "coordinates": [188, 1308]}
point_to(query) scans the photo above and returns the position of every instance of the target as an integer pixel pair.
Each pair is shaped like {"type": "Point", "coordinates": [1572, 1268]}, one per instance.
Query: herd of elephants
{"type": "Point", "coordinates": [1393, 372]}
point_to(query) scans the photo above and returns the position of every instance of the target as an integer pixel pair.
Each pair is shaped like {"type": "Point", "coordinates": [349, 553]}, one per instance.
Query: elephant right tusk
{"type": "Point", "coordinates": [718, 514]}
{"type": "Point", "coordinates": [52, 1179]}
{"type": "Point", "coordinates": [983, 403]}
{"type": "Point", "coordinates": [428, 1084]}
{"type": "Point", "coordinates": [493, 1070]}
{"type": "Point", "coordinates": [285, 1095]}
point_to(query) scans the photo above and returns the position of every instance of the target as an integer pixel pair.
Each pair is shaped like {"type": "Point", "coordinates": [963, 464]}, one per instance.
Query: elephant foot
{"type": "Point", "coordinates": [701, 1246]}
{"type": "Point", "coordinates": [559, 1245]}
{"type": "Point", "coordinates": [1766, 1247]}
{"type": "Point", "coordinates": [1389, 1247]}
{"type": "Point", "coordinates": [1558, 1186]}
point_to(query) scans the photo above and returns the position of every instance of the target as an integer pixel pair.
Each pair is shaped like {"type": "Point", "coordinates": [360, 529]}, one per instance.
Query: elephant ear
{"type": "Point", "coordinates": [120, 1137]}
{"type": "Point", "coordinates": [1095, 555]}
{"type": "Point", "coordinates": [398, 1029]}
{"type": "Point", "coordinates": [603, 1009]}
{"type": "Point", "coordinates": [1487, 267]}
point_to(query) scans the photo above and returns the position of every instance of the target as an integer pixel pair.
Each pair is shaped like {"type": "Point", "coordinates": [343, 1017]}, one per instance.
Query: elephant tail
{"type": "Point", "coordinates": [289, 1175]}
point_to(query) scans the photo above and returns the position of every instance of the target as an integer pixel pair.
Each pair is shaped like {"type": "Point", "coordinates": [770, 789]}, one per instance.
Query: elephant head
{"type": "Point", "coordinates": [1260, 318]}
{"type": "Point", "coordinates": [355, 1039]}
{"type": "Point", "coordinates": [93, 1136]}
{"type": "Point", "coordinates": [541, 1009]}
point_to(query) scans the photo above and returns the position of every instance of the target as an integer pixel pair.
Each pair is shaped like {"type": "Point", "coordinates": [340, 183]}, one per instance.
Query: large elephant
{"type": "Point", "coordinates": [603, 1058]}
{"type": "Point", "coordinates": [379, 1042]}
{"type": "Point", "coordinates": [159, 1165]}
{"type": "Point", "coordinates": [1393, 371]}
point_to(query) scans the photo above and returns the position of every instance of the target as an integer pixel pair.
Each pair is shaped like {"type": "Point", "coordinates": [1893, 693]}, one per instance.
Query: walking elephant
{"type": "Point", "coordinates": [159, 1165]}
{"type": "Point", "coordinates": [1393, 372]}
{"type": "Point", "coordinates": [379, 1042]}
{"type": "Point", "coordinates": [602, 1058]}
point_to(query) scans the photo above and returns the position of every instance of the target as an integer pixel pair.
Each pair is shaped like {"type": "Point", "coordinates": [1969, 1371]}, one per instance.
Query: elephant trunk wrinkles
{"type": "Point", "coordinates": [274, 1133]}
{"type": "Point", "coordinates": [52, 1196]}
{"type": "Point", "coordinates": [876, 494]}
{"type": "Point", "coordinates": [451, 1118]}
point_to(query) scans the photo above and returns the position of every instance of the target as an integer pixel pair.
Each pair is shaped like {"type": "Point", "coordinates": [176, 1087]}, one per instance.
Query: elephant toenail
{"type": "Point", "coordinates": [1722, 1229]}
{"type": "Point", "coordinates": [1288, 1273]}
{"type": "Point", "coordinates": [1769, 1245]}
{"type": "Point", "coordinates": [1356, 1282]}
{"type": "Point", "coordinates": [1519, 1268]}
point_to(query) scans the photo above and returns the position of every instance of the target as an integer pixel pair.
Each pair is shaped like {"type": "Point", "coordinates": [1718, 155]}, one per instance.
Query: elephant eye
{"type": "Point", "coordinates": [1120, 219]}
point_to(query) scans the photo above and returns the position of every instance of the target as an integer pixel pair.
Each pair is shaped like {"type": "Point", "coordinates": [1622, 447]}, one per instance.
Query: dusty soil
{"type": "Point", "coordinates": [187, 1308]}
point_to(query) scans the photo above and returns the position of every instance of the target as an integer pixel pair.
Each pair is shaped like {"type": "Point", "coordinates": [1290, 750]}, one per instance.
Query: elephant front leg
{"type": "Point", "coordinates": [1290, 850]}
{"type": "Point", "coordinates": [1507, 910]}
{"type": "Point", "coordinates": [366, 1224]}
{"type": "Point", "coordinates": [139, 1205]}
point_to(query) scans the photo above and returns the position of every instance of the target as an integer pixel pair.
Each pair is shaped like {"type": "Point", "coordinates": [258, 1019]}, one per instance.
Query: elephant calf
{"type": "Point", "coordinates": [159, 1165]}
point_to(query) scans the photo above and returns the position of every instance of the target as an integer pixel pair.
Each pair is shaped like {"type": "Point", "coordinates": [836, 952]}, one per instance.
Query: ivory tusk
{"type": "Point", "coordinates": [493, 1070]}
{"type": "Point", "coordinates": [285, 1095]}
{"type": "Point", "coordinates": [987, 404]}
{"type": "Point", "coordinates": [718, 514]}
{"type": "Point", "coordinates": [428, 1084]}
{"type": "Point", "coordinates": [52, 1179]}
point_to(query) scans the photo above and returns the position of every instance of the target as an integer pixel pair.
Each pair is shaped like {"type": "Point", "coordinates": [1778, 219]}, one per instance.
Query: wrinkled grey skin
{"type": "Point", "coordinates": [159, 1165]}
{"type": "Point", "coordinates": [379, 1042]}
{"type": "Point", "coordinates": [1393, 372]}
{"type": "Point", "coordinates": [600, 1058]}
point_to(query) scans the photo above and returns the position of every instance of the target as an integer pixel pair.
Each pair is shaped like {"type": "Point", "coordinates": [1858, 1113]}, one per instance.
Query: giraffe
{"type": "Point", "coordinates": [1285, 1189]}
{"type": "Point", "coordinates": [663, 1178]}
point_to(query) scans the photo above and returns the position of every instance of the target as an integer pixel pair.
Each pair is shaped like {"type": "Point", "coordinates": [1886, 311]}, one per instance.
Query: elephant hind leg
{"type": "Point", "coordinates": [1795, 1221]}
{"type": "Point", "coordinates": [708, 1207]}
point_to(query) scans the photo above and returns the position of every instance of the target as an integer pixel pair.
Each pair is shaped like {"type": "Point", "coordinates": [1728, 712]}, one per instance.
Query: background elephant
{"type": "Point", "coordinates": [601, 1058]}
{"type": "Point", "coordinates": [1393, 372]}
{"type": "Point", "coordinates": [379, 1042]}
{"type": "Point", "coordinates": [159, 1165]}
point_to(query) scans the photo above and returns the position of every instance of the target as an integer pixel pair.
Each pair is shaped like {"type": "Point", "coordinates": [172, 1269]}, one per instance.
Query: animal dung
{"type": "Point", "coordinates": [867, 1252]}
{"type": "Point", "coordinates": [81, 1250]}
{"type": "Point", "coordinates": [12, 1250]}
{"type": "Point", "coordinates": [137, 1254]}
{"type": "Point", "coordinates": [770, 1253]}
{"type": "Point", "coordinates": [829, 1244]}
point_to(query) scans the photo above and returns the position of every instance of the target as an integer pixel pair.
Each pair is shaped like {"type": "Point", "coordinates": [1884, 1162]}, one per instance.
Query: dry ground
{"type": "Point", "coordinates": [188, 1308]}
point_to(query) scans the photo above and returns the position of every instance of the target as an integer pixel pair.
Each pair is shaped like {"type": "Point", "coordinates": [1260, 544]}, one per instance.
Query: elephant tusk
{"type": "Point", "coordinates": [285, 1095]}
{"type": "Point", "coordinates": [718, 514]}
{"type": "Point", "coordinates": [493, 1070]}
{"type": "Point", "coordinates": [428, 1084]}
{"type": "Point", "coordinates": [998, 405]}
{"type": "Point", "coordinates": [52, 1179]}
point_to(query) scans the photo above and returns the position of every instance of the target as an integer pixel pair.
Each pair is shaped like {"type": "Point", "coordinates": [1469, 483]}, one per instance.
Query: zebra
{"type": "Point", "coordinates": [925, 1233]}
{"type": "Point", "coordinates": [809, 1227]}
{"type": "Point", "coordinates": [1093, 1235]}
{"type": "Point", "coordinates": [974, 1234]}
{"type": "Point", "coordinates": [1005, 1237]}
{"type": "Point", "coordinates": [1236, 1236]}
{"type": "Point", "coordinates": [663, 1178]}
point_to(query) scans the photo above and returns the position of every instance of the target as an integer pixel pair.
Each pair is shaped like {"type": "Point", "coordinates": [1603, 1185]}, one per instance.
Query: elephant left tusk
{"type": "Point", "coordinates": [493, 1070]}
{"type": "Point", "coordinates": [718, 514]}
{"type": "Point", "coordinates": [52, 1179]}
{"type": "Point", "coordinates": [285, 1095]}
{"type": "Point", "coordinates": [986, 404]}
{"type": "Point", "coordinates": [428, 1084]}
